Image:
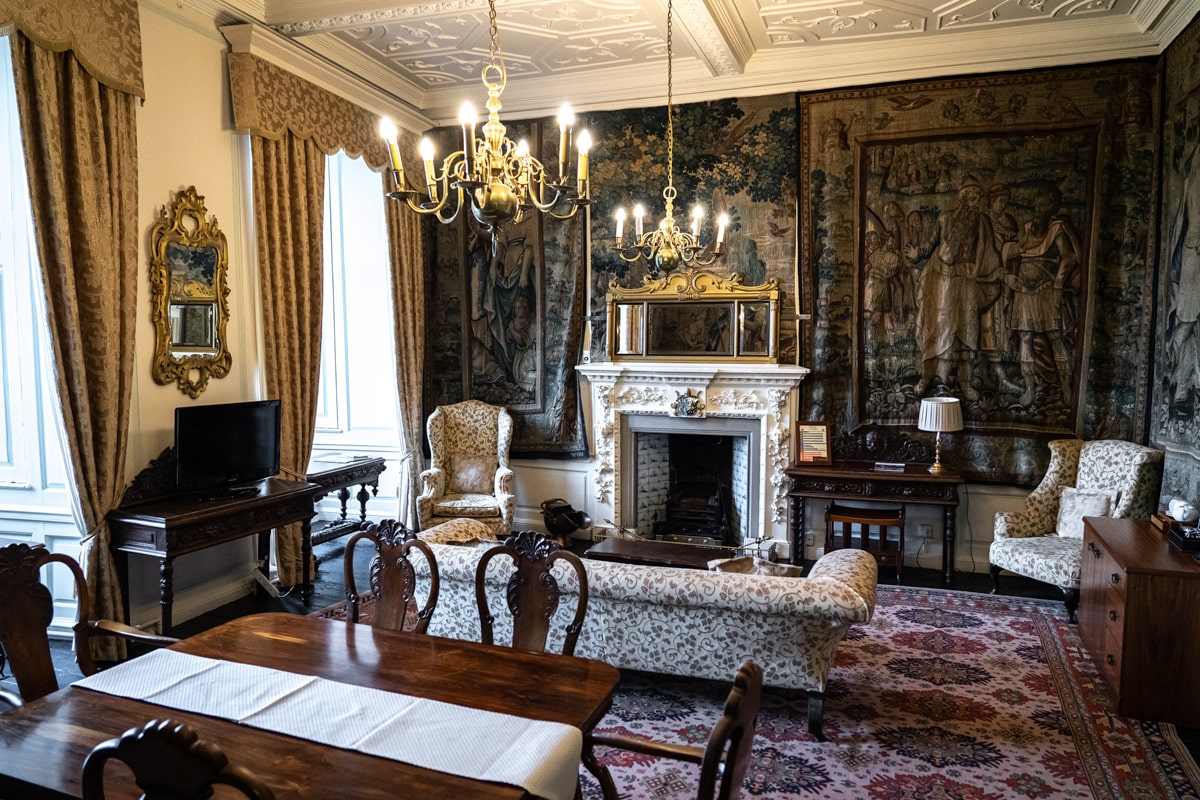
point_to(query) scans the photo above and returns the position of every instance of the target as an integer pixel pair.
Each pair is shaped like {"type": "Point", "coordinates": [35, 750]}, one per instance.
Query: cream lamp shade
{"type": "Point", "coordinates": [940, 415]}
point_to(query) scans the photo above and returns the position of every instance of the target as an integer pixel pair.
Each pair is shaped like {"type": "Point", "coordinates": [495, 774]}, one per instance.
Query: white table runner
{"type": "Point", "coordinates": [541, 757]}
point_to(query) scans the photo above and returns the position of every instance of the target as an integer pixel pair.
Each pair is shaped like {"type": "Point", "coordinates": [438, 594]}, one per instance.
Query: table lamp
{"type": "Point", "coordinates": [940, 414]}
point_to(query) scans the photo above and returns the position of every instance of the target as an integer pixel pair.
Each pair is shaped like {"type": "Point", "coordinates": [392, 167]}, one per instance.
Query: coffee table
{"type": "Point", "coordinates": [656, 553]}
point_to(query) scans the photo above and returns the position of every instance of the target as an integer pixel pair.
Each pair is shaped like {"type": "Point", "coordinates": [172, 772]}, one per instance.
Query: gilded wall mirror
{"type": "Point", "coordinates": [189, 295]}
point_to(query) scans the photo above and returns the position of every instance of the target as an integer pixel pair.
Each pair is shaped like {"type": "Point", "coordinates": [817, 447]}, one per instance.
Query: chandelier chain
{"type": "Point", "coordinates": [670, 107]}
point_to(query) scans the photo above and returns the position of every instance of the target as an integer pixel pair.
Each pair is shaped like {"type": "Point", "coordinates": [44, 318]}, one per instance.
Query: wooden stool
{"type": "Point", "coordinates": [839, 533]}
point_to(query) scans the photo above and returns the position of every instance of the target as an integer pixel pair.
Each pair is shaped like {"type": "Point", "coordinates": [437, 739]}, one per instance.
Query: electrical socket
{"type": "Point", "coordinates": [808, 540]}
{"type": "Point", "coordinates": [926, 531]}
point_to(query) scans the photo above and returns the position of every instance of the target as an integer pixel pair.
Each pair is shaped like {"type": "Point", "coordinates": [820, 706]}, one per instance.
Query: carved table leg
{"type": "Point", "coordinates": [948, 531]}
{"type": "Point", "coordinates": [343, 496]}
{"type": "Point", "coordinates": [306, 560]}
{"type": "Point", "coordinates": [796, 536]}
{"type": "Point", "coordinates": [363, 496]}
{"type": "Point", "coordinates": [166, 592]}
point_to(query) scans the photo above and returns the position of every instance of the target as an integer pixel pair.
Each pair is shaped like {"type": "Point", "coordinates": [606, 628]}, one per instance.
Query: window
{"type": "Point", "coordinates": [35, 502]}
{"type": "Point", "coordinates": [356, 403]}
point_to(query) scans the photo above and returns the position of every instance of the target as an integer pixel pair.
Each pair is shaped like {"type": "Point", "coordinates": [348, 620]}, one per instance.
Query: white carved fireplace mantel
{"type": "Point", "coordinates": [685, 392]}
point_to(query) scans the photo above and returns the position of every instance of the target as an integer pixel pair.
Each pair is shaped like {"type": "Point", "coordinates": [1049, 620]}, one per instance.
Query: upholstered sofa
{"type": "Point", "coordinates": [680, 621]}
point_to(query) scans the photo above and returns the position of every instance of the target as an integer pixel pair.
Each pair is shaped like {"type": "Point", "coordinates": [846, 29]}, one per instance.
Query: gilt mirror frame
{"type": "Point", "coordinates": [694, 316]}
{"type": "Point", "coordinates": [189, 293]}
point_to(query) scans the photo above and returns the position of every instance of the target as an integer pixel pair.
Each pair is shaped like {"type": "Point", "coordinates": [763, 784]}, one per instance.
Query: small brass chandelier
{"type": "Point", "coordinates": [667, 247]}
{"type": "Point", "coordinates": [504, 181]}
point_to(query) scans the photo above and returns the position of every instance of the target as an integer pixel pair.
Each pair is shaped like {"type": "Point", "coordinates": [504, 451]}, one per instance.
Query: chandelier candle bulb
{"type": "Point", "coordinates": [523, 155]}
{"type": "Point", "coordinates": [697, 215]}
{"type": "Point", "coordinates": [427, 157]}
{"type": "Point", "coordinates": [387, 129]}
{"type": "Point", "coordinates": [639, 213]}
{"type": "Point", "coordinates": [566, 120]}
{"type": "Point", "coordinates": [467, 118]}
{"type": "Point", "coordinates": [583, 144]}
{"type": "Point", "coordinates": [722, 222]}
{"type": "Point", "coordinates": [620, 224]}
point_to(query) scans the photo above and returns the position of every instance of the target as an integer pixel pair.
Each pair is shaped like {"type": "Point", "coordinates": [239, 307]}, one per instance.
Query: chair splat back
{"type": "Point", "coordinates": [169, 762]}
{"type": "Point", "coordinates": [727, 754]}
{"type": "Point", "coordinates": [26, 610]}
{"type": "Point", "coordinates": [532, 592]}
{"type": "Point", "coordinates": [392, 577]}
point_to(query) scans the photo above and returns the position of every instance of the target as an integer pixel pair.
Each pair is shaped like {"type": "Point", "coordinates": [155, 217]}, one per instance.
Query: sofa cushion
{"type": "Point", "coordinates": [1076, 504]}
{"type": "Point", "coordinates": [467, 505]}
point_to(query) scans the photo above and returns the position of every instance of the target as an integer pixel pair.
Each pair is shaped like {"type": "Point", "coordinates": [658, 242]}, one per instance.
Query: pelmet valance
{"type": "Point", "coordinates": [106, 37]}
{"type": "Point", "coordinates": [267, 100]}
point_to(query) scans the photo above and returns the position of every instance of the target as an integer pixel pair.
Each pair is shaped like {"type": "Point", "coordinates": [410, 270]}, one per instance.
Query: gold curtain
{"type": "Point", "coordinates": [289, 200]}
{"type": "Point", "coordinates": [406, 252]}
{"type": "Point", "coordinates": [80, 140]}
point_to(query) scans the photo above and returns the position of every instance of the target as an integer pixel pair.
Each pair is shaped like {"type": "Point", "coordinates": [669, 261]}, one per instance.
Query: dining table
{"type": "Point", "coordinates": [43, 743]}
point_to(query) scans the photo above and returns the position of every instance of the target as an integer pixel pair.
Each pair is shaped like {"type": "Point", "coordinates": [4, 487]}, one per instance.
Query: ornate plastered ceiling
{"type": "Point", "coordinates": [611, 53]}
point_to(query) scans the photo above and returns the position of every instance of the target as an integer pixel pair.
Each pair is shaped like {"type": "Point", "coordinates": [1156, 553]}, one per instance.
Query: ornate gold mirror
{"type": "Point", "coordinates": [189, 295]}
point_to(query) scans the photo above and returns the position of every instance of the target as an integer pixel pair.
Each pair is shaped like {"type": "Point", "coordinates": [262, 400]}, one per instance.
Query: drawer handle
{"type": "Point", "coordinates": [1112, 615]}
{"type": "Point", "coordinates": [1115, 579]}
{"type": "Point", "coordinates": [1095, 552]}
{"type": "Point", "coordinates": [1091, 547]}
{"type": "Point", "coordinates": [1108, 659]}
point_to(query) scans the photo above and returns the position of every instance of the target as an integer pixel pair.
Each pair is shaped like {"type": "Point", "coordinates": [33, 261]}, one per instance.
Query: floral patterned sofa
{"type": "Point", "coordinates": [681, 621]}
{"type": "Point", "coordinates": [1032, 542]}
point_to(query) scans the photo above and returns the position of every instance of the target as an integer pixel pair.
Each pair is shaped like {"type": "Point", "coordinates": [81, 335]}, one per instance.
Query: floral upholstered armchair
{"type": "Point", "coordinates": [469, 476]}
{"type": "Point", "coordinates": [1044, 540]}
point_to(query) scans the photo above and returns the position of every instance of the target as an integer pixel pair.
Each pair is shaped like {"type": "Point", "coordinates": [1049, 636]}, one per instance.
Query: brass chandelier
{"type": "Point", "coordinates": [668, 247]}
{"type": "Point", "coordinates": [503, 181]}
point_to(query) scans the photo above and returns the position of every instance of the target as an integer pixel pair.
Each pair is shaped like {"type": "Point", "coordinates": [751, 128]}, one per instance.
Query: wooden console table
{"type": "Point", "coordinates": [361, 471]}
{"type": "Point", "coordinates": [655, 553]}
{"type": "Point", "coordinates": [1137, 617]}
{"type": "Point", "coordinates": [171, 527]}
{"type": "Point", "coordinates": [859, 480]}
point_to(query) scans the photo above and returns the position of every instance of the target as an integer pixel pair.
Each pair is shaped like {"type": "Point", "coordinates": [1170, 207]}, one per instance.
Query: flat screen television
{"type": "Point", "coordinates": [224, 448]}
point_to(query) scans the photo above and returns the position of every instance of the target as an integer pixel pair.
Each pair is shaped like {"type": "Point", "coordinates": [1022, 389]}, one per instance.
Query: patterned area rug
{"type": "Point", "coordinates": [944, 696]}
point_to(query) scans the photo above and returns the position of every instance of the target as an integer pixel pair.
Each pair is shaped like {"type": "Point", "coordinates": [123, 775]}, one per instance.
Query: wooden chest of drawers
{"type": "Point", "coordinates": [1139, 617]}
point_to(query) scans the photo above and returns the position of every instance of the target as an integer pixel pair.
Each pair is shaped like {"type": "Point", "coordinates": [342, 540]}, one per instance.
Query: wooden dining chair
{"type": "Point", "coordinates": [724, 759]}
{"type": "Point", "coordinates": [392, 577]}
{"type": "Point", "coordinates": [26, 610]}
{"type": "Point", "coordinates": [532, 592]}
{"type": "Point", "coordinates": [169, 761]}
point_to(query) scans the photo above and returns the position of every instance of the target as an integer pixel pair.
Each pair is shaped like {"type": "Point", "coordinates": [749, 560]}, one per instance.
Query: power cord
{"type": "Point", "coordinates": [970, 528]}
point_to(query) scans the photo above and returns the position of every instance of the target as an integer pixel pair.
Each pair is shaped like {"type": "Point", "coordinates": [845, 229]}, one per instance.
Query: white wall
{"type": "Point", "coordinates": [186, 137]}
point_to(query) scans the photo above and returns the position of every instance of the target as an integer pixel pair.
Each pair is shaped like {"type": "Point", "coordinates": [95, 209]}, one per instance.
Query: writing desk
{"type": "Point", "coordinates": [43, 743]}
{"type": "Point", "coordinates": [859, 480]}
{"type": "Point", "coordinates": [171, 527]}
{"type": "Point", "coordinates": [361, 471]}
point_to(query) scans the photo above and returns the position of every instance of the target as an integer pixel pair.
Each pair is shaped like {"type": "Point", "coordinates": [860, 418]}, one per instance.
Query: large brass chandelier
{"type": "Point", "coordinates": [503, 181]}
{"type": "Point", "coordinates": [668, 247]}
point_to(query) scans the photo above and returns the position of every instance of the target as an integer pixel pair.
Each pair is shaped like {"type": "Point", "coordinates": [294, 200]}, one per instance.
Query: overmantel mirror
{"type": "Point", "coordinates": [694, 315]}
{"type": "Point", "coordinates": [189, 294]}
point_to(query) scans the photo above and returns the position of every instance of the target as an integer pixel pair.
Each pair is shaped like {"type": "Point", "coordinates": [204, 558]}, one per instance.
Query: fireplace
{"type": "Point", "coordinates": [740, 414]}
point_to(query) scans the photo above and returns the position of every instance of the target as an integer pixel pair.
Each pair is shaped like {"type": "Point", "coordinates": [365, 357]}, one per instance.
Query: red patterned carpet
{"type": "Point", "coordinates": [944, 696]}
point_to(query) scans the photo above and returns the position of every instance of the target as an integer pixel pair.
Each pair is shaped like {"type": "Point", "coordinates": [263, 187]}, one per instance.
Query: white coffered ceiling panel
{"type": "Point", "coordinates": [612, 53]}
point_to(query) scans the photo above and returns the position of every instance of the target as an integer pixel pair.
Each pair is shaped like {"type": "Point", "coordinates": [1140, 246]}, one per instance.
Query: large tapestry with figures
{"type": "Point", "coordinates": [1175, 420]}
{"type": "Point", "coordinates": [505, 318]}
{"type": "Point", "coordinates": [735, 156]}
{"type": "Point", "coordinates": [986, 239]}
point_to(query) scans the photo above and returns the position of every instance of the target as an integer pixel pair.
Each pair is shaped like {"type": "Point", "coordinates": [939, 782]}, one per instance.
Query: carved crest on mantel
{"type": "Point", "coordinates": [693, 284]}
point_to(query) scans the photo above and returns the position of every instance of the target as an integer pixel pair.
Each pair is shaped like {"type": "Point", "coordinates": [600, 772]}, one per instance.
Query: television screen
{"type": "Point", "coordinates": [227, 445]}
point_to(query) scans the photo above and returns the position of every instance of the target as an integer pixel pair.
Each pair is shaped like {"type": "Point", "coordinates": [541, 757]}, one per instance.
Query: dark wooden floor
{"type": "Point", "coordinates": [329, 588]}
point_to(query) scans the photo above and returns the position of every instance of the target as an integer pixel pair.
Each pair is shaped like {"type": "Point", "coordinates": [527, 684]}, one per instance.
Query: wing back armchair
{"type": "Point", "coordinates": [1041, 543]}
{"type": "Point", "coordinates": [469, 475]}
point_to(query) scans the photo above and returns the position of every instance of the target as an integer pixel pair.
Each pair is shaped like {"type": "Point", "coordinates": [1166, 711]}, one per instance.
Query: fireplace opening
{"type": "Point", "coordinates": [691, 487]}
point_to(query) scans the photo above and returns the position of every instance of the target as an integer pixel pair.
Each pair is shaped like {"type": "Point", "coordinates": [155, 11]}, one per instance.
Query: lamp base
{"type": "Point", "coordinates": [937, 468]}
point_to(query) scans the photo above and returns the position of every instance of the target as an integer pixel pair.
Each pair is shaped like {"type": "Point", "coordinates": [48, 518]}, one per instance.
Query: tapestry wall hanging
{"type": "Point", "coordinates": [505, 318]}
{"type": "Point", "coordinates": [1175, 417]}
{"type": "Point", "coordinates": [985, 239]}
{"type": "Point", "coordinates": [735, 156]}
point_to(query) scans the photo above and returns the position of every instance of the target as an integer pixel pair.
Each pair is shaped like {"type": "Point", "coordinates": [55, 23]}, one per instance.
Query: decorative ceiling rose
{"type": "Point", "coordinates": [666, 248]}
{"type": "Point", "coordinates": [502, 180]}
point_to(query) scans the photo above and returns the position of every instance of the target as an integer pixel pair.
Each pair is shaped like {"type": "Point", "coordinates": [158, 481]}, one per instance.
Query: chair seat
{"type": "Point", "coordinates": [467, 505]}
{"type": "Point", "coordinates": [1049, 559]}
